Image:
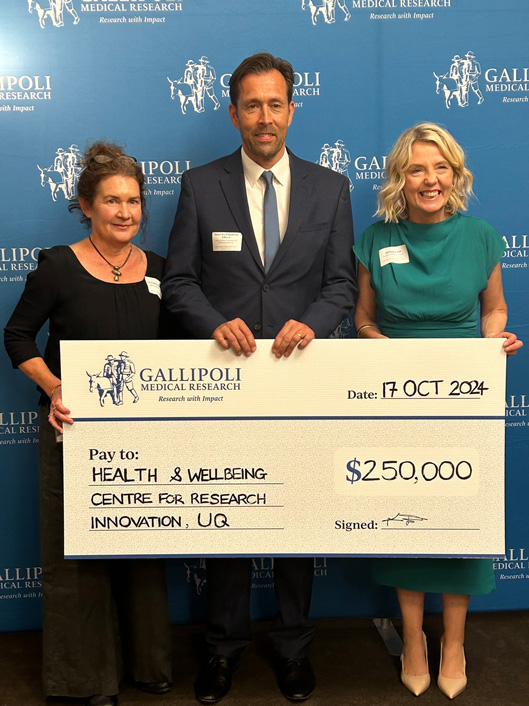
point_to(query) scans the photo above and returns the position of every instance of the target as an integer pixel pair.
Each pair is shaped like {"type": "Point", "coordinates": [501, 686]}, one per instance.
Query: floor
{"type": "Point", "coordinates": [351, 662]}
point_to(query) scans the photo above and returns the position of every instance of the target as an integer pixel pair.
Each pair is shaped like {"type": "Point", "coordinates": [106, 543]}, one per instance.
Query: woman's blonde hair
{"type": "Point", "coordinates": [391, 200]}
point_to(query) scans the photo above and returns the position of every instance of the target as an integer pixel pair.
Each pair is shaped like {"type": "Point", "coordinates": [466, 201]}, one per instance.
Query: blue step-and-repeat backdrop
{"type": "Point", "coordinates": [153, 75]}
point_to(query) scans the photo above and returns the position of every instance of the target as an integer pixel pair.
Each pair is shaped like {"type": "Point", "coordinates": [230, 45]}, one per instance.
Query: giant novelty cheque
{"type": "Point", "coordinates": [348, 448]}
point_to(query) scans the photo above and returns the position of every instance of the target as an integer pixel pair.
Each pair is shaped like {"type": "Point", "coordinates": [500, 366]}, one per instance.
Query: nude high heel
{"type": "Point", "coordinates": [417, 684]}
{"type": "Point", "coordinates": [451, 687]}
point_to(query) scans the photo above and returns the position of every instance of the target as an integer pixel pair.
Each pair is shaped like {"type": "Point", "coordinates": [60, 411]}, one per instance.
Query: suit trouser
{"type": "Point", "coordinates": [99, 615]}
{"type": "Point", "coordinates": [228, 605]}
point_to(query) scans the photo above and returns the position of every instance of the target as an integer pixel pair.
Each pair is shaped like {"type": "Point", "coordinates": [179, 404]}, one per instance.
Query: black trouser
{"type": "Point", "coordinates": [98, 614]}
{"type": "Point", "coordinates": [228, 601]}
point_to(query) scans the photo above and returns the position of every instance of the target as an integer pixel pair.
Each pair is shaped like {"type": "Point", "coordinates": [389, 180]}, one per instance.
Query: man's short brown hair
{"type": "Point", "coordinates": [260, 64]}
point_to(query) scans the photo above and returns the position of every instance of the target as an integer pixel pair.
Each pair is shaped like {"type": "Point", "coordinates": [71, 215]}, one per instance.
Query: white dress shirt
{"type": "Point", "coordinates": [255, 190]}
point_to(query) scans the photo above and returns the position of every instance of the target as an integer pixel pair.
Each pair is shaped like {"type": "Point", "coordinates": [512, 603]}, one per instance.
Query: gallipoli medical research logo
{"type": "Point", "coordinates": [461, 81]}
{"type": "Point", "coordinates": [364, 167]}
{"type": "Point", "coordinates": [336, 157]}
{"type": "Point", "coordinates": [20, 577]}
{"type": "Point", "coordinates": [162, 176]}
{"type": "Point", "coordinates": [325, 10]}
{"type": "Point", "coordinates": [116, 376]}
{"type": "Point", "coordinates": [62, 174]}
{"type": "Point", "coordinates": [19, 427]}
{"type": "Point", "coordinates": [516, 253]}
{"type": "Point", "coordinates": [461, 84]}
{"type": "Point", "coordinates": [137, 11]}
{"type": "Point", "coordinates": [331, 11]}
{"type": "Point", "coordinates": [513, 565]}
{"type": "Point", "coordinates": [15, 263]}
{"type": "Point", "coordinates": [24, 88]}
{"type": "Point", "coordinates": [517, 409]}
{"type": "Point", "coordinates": [196, 87]}
{"type": "Point", "coordinates": [53, 12]}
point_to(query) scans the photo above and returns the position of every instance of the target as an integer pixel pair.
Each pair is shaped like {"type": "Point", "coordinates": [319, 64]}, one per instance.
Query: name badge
{"type": "Point", "coordinates": [397, 254]}
{"type": "Point", "coordinates": [226, 242]}
{"type": "Point", "coordinates": [153, 285]}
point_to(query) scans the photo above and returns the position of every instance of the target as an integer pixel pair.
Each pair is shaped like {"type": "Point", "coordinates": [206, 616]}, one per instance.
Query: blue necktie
{"type": "Point", "coordinates": [271, 220]}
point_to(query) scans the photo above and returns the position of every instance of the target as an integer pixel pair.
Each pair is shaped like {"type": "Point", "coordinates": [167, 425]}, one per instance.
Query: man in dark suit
{"type": "Point", "coordinates": [260, 248]}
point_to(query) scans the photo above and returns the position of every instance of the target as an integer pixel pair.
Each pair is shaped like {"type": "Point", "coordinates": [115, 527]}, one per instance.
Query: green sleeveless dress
{"type": "Point", "coordinates": [427, 280]}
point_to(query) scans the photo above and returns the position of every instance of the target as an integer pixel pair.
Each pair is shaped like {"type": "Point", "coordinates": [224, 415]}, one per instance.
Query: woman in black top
{"type": "Point", "coordinates": [99, 615]}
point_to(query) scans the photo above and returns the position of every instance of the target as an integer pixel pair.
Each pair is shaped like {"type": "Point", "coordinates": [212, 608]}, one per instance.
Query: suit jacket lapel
{"type": "Point", "coordinates": [300, 191]}
{"type": "Point", "coordinates": [234, 189]}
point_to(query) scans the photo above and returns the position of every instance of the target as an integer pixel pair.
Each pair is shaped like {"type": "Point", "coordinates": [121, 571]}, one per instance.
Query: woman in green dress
{"type": "Point", "coordinates": [428, 271]}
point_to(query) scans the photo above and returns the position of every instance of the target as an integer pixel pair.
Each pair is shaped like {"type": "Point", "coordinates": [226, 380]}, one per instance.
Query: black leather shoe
{"type": "Point", "coordinates": [155, 687]}
{"type": "Point", "coordinates": [102, 700]}
{"type": "Point", "coordinates": [296, 678]}
{"type": "Point", "coordinates": [214, 679]}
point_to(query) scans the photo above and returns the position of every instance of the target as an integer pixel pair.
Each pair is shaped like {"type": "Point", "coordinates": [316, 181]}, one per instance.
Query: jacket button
{"type": "Point", "coordinates": [266, 287]}
{"type": "Point", "coordinates": [257, 326]}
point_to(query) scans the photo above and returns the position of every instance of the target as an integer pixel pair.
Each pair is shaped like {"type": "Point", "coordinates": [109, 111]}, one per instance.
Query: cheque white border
{"type": "Point", "coordinates": [348, 448]}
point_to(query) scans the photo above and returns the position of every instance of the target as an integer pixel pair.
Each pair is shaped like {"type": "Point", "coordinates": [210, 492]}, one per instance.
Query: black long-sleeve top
{"type": "Point", "coordinates": [80, 307]}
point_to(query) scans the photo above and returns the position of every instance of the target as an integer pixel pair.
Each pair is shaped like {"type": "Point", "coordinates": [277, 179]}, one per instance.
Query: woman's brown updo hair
{"type": "Point", "coordinates": [102, 160]}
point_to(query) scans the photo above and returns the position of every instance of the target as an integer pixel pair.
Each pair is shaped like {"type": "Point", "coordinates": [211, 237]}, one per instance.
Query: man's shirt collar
{"type": "Point", "coordinates": [253, 171]}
